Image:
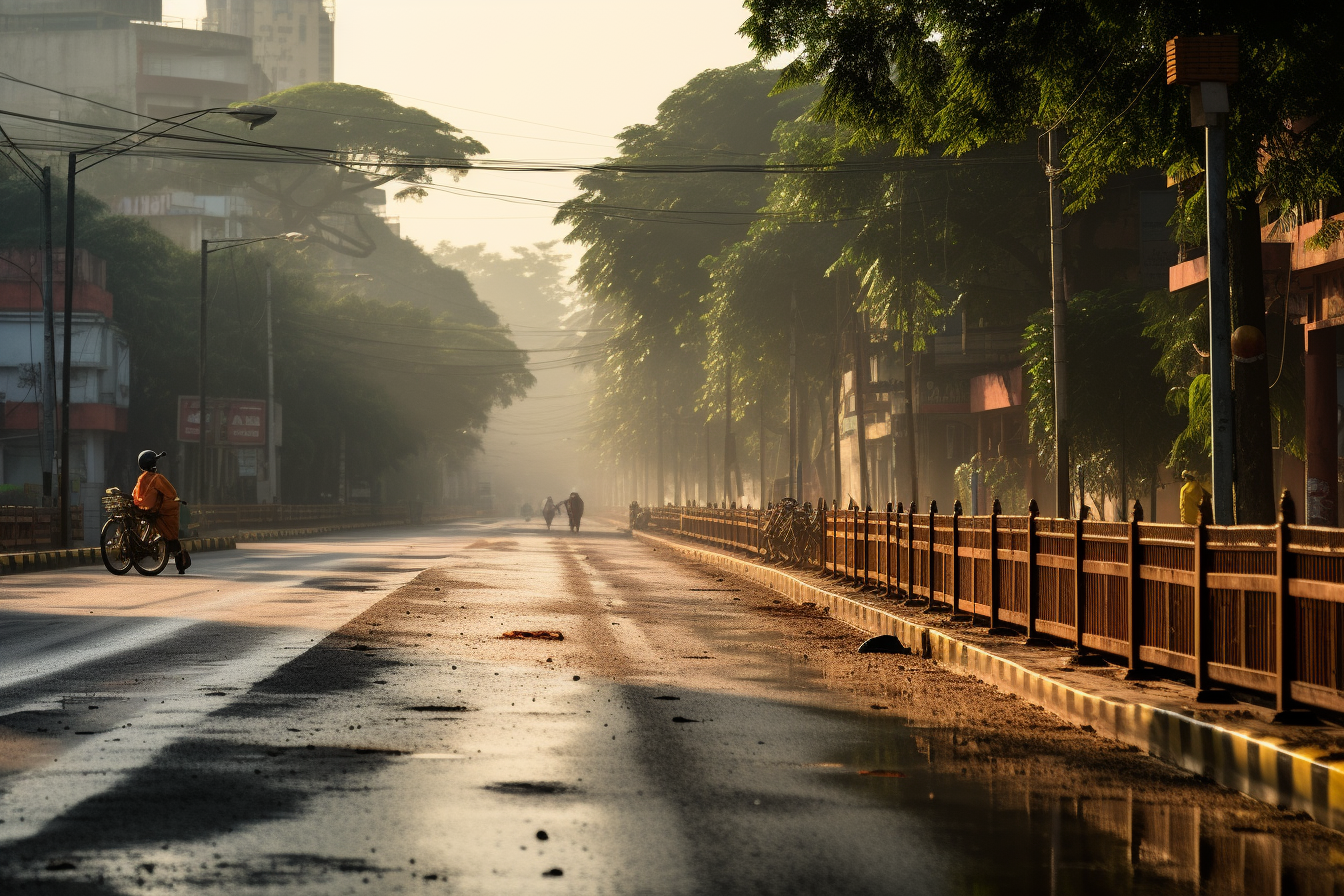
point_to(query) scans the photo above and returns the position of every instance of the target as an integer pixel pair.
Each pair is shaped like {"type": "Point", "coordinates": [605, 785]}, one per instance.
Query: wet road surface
{"type": "Point", "coordinates": [344, 716]}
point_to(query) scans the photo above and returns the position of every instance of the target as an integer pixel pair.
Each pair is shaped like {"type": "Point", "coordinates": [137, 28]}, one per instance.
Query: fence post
{"type": "Point", "coordinates": [1034, 638]}
{"type": "Point", "coordinates": [884, 568]}
{"type": "Point", "coordinates": [910, 553]}
{"type": "Point", "coordinates": [900, 508]}
{"type": "Point", "coordinates": [957, 616]}
{"type": "Point", "coordinates": [1079, 592]}
{"type": "Point", "coordinates": [1285, 630]}
{"type": "Point", "coordinates": [867, 516]}
{"type": "Point", "coordinates": [1136, 623]}
{"type": "Point", "coordinates": [1202, 640]}
{"type": "Point", "coordinates": [852, 542]}
{"type": "Point", "coordinates": [933, 511]}
{"type": "Point", "coordinates": [994, 600]}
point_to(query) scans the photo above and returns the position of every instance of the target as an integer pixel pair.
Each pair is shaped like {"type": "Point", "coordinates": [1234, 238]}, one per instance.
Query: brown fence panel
{"type": "Point", "coordinates": [1105, 581]}
{"type": "Point", "coordinates": [1316, 605]}
{"type": "Point", "coordinates": [1056, 610]}
{"type": "Point", "coordinates": [973, 561]}
{"type": "Point", "coordinates": [1014, 573]}
{"type": "Point", "coordinates": [1167, 577]}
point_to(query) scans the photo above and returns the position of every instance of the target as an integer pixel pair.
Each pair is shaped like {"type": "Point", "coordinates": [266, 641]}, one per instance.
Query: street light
{"type": "Point", "coordinates": [206, 251]}
{"type": "Point", "coordinates": [250, 114]}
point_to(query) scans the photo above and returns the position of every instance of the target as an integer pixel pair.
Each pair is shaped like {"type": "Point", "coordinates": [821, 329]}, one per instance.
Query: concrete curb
{"type": "Point", "coordinates": [43, 561]}
{"type": "Point", "coordinates": [1258, 767]}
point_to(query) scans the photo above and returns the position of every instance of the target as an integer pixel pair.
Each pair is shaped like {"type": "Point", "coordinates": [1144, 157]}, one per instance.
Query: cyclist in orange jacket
{"type": "Point", "coordinates": [153, 492]}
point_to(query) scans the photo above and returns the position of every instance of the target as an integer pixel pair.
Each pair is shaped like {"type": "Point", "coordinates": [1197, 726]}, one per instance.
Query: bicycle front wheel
{"type": "Point", "coordinates": [151, 560]}
{"type": "Point", "coordinates": [115, 543]}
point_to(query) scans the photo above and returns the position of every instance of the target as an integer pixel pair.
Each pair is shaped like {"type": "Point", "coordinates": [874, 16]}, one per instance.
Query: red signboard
{"type": "Point", "coordinates": [246, 422]}
{"type": "Point", "coordinates": [229, 421]}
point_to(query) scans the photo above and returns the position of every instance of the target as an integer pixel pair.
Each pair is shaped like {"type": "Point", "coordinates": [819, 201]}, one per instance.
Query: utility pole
{"type": "Point", "coordinates": [728, 452]}
{"type": "Point", "coordinates": [1208, 63]}
{"type": "Point", "coordinates": [660, 495]}
{"type": "Point", "coordinates": [1059, 302]}
{"type": "Point", "coordinates": [837, 412]}
{"type": "Point", "coordinates": [1208, 106]}
{"type": "Point", "coordinates": [272, 470]}
{"type": "Point", "coordinates": [63, 490]}
{"type": "Point", "coordinates": [340, 472]}
{"type": "Point", "coordinates": [907, 350]}
{"type": "Point", "coordinates": [48, 440]}
{"type": "Point", "coordinates": [201, 487]}
{"type": "Point", "coordinates": [860, 384]}
{"type": "Point", "coordinates": [760, 409]}
{"type": "Point", "coordinates": [794, 487]}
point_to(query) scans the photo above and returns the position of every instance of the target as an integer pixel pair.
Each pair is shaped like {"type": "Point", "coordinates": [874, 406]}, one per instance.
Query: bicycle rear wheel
{"type": "Point", "coordinates": [115, 544]}
{"type": "Point", "coordinates": [154, 557]}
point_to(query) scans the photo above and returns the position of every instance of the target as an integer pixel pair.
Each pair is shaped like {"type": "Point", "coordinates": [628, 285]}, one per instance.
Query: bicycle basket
{"type": "Point", "coordinates": [117, 504]}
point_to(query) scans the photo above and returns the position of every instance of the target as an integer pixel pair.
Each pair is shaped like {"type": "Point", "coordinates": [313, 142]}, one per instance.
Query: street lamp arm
{"type": "Point", "coordinates": [235, 242]}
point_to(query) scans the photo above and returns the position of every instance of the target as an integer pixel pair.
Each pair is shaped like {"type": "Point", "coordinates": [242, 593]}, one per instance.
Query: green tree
{"type": "Point", "coordinates": [1118, 439]}
{"type": "Point", "coordinates": [343, 360]}
{"type": "Point", "coordinates": [958, 76]}
{"type": "Point", "coordinates": [646, 236]}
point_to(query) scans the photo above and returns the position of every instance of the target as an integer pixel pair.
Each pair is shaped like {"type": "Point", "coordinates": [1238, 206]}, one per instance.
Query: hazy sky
{"type": "Point", "coordinates": [544, 79]}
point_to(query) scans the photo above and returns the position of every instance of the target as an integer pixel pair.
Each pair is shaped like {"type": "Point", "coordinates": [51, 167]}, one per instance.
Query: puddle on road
{"type": "Point", "coordinates": [1010, 815]}
{"type": "Point", "coordinates": [342, 583]}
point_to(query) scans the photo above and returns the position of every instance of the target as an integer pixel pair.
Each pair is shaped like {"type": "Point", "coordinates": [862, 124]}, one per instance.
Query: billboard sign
{"type": "Point", "coordinates": [229, 421]}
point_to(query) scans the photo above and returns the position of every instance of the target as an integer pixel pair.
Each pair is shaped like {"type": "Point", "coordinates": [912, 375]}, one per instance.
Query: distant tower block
{"type": "Point", "coordinates": [293, 41]}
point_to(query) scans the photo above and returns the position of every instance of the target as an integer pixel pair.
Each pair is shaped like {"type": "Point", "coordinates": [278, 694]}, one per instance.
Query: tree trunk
{"type": "Point", "coordinates": [709, 469]}
{"type": "Point", "coordinates": [1254, 465]}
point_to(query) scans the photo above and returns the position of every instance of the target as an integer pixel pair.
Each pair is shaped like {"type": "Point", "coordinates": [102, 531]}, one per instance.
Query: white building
{"type": "Point", "coordinates": [100, 379]}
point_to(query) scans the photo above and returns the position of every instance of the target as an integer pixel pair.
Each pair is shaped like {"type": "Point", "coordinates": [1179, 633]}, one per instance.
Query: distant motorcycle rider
{"type": "Point", "coordinates": [154, 493]}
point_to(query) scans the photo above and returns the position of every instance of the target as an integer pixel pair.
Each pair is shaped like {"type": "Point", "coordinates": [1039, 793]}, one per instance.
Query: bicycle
{"type": "Point", "coordinates": [129, 538]}
{"type": "Point", "coordinates": [791, 533]}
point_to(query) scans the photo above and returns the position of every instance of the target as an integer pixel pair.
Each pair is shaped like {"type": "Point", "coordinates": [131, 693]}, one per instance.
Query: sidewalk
{"type": "Point", "coordinates": [1300, 768]}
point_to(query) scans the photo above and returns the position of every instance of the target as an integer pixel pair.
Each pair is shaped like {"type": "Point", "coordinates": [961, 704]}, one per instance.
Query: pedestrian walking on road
{"type": "Point", "coordinates": [574, 509]}
{"type": "Point", "coordinates": [154, 493]}
{"type": "Point", "coordinates": [1192, 495]}
{"type": "Point", "coordinates": [548, 511]}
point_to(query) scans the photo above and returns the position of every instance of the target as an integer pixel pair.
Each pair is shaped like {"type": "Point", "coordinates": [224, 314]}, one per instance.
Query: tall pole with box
{"type": "Point", "coordinates": [1207, 64]}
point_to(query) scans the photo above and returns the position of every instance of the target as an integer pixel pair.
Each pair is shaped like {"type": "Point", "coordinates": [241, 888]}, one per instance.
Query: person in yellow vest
{"type": "Point", "coordinates": [154, 493]}
{"type": "Point", "coordinates": [1192, 495]}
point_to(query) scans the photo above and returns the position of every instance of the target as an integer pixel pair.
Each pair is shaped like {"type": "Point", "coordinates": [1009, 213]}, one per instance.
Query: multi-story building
{"type": "Point", "coordinates": [120, 55]}
{"type": "Point", "coordinates": [293, 41]}
{"type": "Point", "coordinates": [100, 378]}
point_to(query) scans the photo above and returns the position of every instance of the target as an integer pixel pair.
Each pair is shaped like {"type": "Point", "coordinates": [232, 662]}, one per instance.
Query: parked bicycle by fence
{"type": "Point", "coordinates": [130, 539]}
{"type": "Point", "coordinates": [792, 533]}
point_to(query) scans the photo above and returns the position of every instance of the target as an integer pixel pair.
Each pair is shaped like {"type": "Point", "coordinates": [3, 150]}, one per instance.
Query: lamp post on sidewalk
{"type": "Point", "coordinates": [251, 115]}
{"type": "Point", "coordinates": [208, 248]}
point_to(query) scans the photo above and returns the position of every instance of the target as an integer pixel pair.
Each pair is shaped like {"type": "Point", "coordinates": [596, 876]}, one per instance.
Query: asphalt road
{"type": "Point", "coordinates": [344, 715]}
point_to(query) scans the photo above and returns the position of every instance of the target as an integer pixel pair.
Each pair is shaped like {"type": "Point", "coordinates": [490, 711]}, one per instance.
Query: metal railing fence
{"type": "Point", "coordinates": [1257, 608]}
{"type": "Point", "coordinates": [36, 528]}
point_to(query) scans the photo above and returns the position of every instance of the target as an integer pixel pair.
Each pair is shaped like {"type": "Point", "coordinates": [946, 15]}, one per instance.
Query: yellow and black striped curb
{"type": "Point", "coordinates": [1303, 780]}
{"type": "Point", "coordinates": [42, 561]}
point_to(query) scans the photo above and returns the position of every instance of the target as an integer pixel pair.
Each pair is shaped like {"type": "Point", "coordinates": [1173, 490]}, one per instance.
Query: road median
{"type": "Point", "coordinates": [1298, 768]}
